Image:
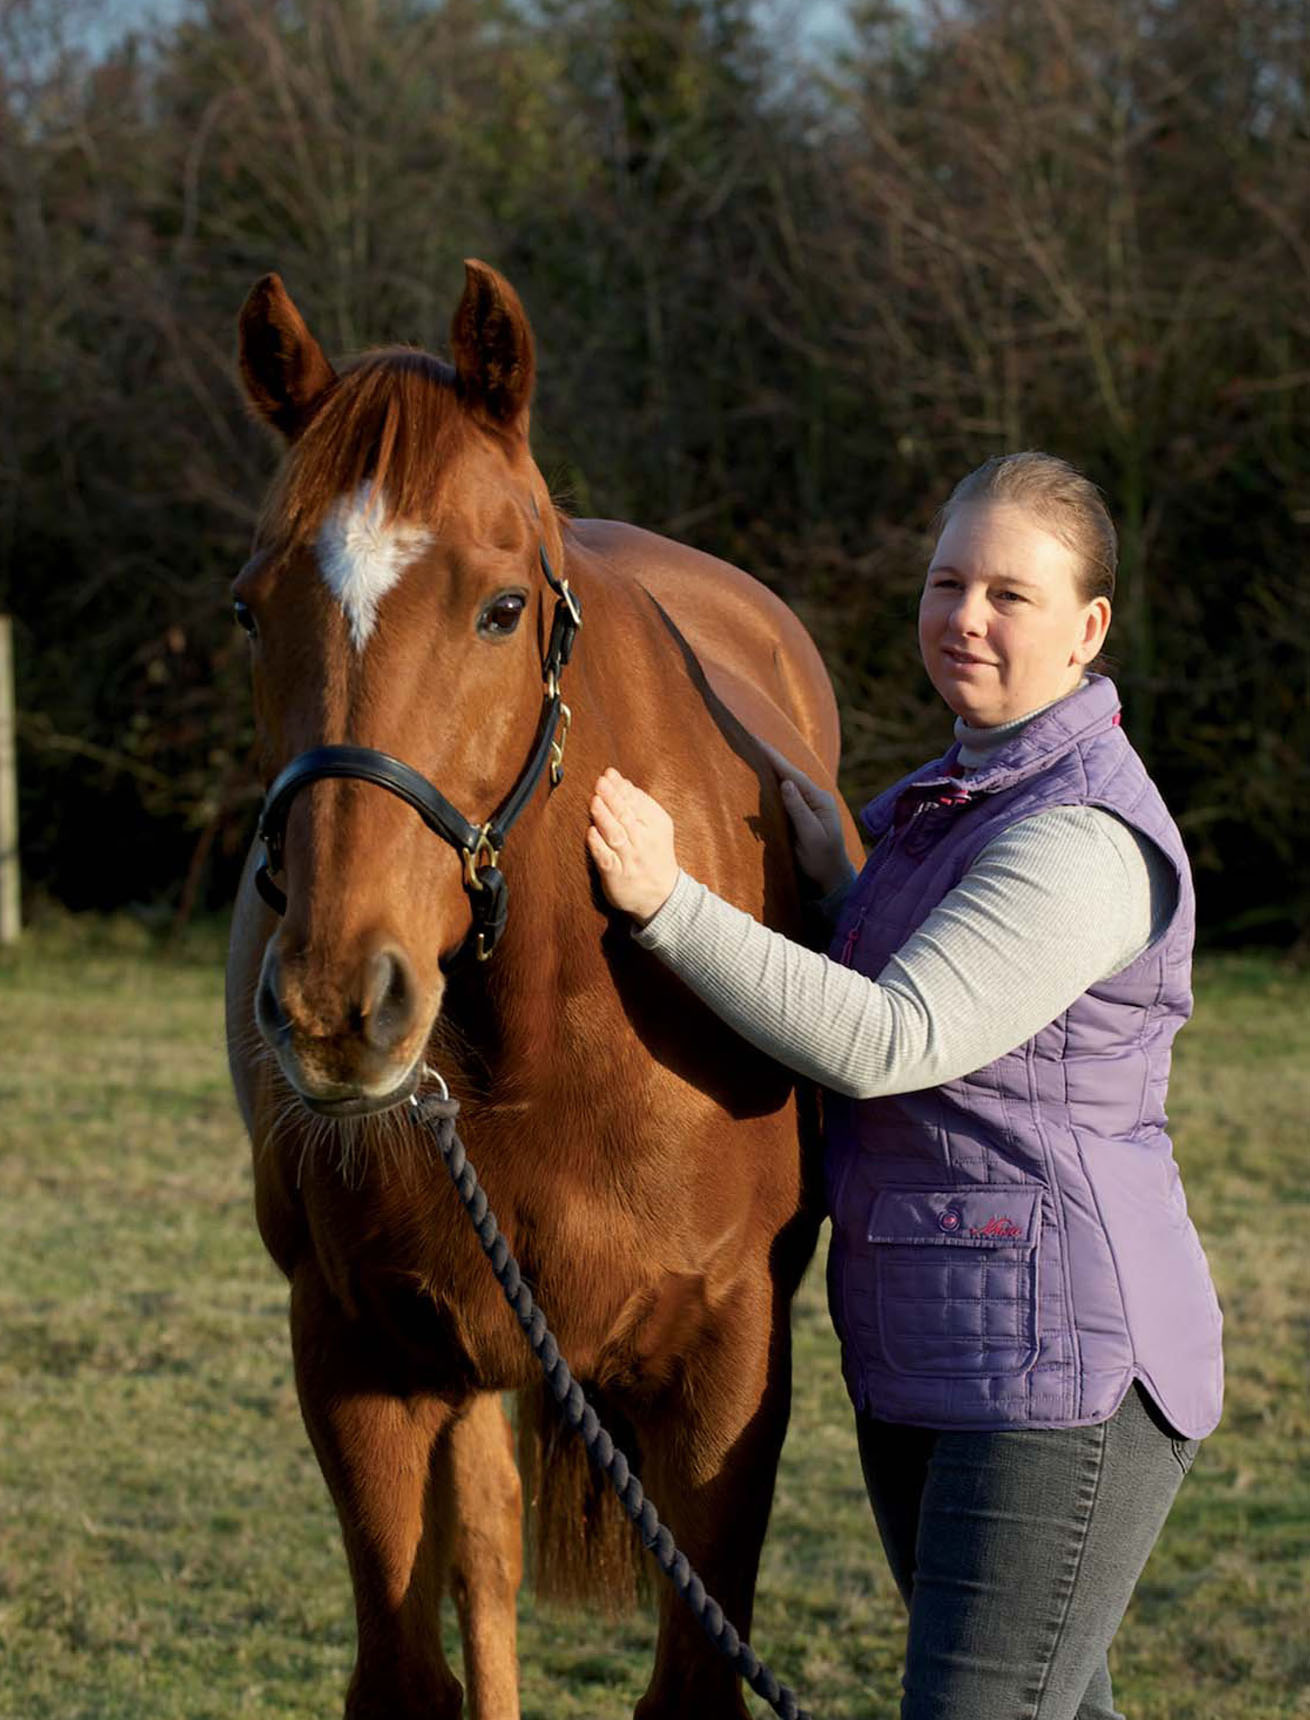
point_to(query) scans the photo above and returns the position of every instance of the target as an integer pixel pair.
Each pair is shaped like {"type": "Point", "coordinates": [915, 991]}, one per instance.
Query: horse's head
{"type": "Point", "coordinates": [396, 602]}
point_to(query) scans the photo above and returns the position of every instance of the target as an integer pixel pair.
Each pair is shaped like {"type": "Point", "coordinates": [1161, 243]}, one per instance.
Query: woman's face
{"type": "Point", "coordinates": [1002, 628]}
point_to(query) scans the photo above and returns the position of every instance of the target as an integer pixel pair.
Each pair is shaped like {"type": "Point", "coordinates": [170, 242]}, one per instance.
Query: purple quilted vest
{"type": "Point", "coordinates": [1013, 1248]}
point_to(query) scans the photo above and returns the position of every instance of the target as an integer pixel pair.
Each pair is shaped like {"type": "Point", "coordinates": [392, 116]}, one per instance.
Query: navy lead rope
{"type": "Point", "coordinates": [439, 1116]}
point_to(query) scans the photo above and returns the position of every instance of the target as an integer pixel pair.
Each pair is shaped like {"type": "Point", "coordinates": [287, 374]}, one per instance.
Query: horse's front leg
{"type": "Point", "coordinates": [389, 1459]}
{"type": "Point", "coordinates": [477, 1484]}
{"type": "Point", "coordinates": [709, 1453]}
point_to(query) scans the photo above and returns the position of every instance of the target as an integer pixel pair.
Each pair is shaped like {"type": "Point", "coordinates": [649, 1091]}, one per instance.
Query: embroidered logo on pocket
{"type": "Point", "coordinates": [1002, 1227]}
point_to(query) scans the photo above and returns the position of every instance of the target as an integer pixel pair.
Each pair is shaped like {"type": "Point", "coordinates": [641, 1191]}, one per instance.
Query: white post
{"type": "Point", "coordinates": [10, 922]}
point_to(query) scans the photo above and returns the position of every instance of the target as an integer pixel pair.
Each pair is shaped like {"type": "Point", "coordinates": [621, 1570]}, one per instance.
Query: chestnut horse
{"type": "Point", "coordinates": [649, 1168]}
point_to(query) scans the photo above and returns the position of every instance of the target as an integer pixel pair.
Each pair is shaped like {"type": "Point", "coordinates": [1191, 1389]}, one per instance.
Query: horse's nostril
{"type": "Point", "coordinates": [390, 999]}
{"type": "Point", "coordinates": [270, 1017]}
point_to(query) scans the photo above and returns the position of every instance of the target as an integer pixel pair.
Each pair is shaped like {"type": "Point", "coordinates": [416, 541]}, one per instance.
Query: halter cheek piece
{"type": "Point", "coordinates": [479, 844]}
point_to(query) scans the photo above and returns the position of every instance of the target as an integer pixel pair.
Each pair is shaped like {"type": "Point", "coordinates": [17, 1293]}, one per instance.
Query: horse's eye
{"type": "Point", "coordinates": [245, 616]}
{"type": "Point", "coordinates": [501, 616]}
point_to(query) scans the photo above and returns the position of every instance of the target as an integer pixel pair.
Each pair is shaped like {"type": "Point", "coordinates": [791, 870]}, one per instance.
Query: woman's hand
{"type": "Point", "coordinates": [631, 841]}
{"type": "Point", "coordinates": [816, 827]}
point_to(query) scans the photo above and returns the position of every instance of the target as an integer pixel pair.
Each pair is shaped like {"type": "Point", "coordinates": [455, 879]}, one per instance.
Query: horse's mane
{"type": "Point", "coordinates": [390, 420]}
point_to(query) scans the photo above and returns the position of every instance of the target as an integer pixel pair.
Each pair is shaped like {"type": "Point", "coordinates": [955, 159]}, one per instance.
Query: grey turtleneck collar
{"type": "Point", "coordinates": [979, 746]}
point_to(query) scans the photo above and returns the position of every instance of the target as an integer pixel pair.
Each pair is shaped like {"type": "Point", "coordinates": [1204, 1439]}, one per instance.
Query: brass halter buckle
{"type": "Point", "coordinates": [481, 853]}
{"type": "Point", "coordinates": [558, 744]}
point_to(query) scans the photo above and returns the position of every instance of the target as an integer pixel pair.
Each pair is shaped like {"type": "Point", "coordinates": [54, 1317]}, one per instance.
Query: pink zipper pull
{"type": "Point", "coordinates": [853, 937]}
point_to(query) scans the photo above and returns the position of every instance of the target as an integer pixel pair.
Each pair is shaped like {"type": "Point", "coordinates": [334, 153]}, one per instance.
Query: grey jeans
{"type": "Point", "coordinates": [1017, 1552]}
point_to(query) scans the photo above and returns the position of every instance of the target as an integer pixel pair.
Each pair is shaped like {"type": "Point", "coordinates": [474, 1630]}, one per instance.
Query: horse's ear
{"type": "Point", "coordinates": [492, 342]}
{"type": "Point", "coordinates": [286, 375]}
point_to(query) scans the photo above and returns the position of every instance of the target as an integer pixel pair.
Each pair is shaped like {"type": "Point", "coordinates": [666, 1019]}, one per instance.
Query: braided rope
{"type": "Point", "coordinates": [439, 1116]}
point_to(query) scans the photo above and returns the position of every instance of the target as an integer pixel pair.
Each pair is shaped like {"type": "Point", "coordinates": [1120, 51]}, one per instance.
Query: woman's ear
{"type": "Point", "coordinates": [1096, 624]}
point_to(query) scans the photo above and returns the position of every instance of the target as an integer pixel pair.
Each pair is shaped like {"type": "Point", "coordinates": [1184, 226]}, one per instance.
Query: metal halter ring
{"type": "Point", "coordinates": [428, 1073]}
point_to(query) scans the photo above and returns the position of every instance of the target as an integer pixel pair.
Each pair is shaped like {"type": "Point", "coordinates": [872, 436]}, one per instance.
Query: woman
{"type": "Point", "coordinates": [1029, 1332]}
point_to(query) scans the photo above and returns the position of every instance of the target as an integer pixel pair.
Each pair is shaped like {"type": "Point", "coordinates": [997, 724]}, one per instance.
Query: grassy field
{"type": "Point", "coordinates": [166, 1545]}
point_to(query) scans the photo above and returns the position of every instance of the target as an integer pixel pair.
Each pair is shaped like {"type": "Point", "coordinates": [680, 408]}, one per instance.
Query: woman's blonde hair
{"type": "Point", "coordinates": [1064, 503]}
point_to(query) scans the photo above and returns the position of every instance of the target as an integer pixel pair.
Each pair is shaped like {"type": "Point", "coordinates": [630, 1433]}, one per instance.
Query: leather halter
{"type": "Point", "coordinates": [479, 844]}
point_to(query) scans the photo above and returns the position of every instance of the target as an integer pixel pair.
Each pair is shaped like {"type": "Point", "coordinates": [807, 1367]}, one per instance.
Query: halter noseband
{"type": "Point", "coordinates": [479, 845]}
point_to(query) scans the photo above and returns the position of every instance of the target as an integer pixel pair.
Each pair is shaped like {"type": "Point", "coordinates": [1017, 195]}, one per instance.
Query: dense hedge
{"type": "Point", "coordinates": [784, 295]}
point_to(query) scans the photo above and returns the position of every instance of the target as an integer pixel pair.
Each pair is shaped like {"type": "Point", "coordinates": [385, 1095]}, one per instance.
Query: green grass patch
{"type": "Point", "coordinates": [167, 1548]}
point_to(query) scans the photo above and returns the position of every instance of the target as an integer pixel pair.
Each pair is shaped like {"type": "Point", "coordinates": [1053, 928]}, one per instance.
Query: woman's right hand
{"type": "Point", "coordinates": [816, 827]}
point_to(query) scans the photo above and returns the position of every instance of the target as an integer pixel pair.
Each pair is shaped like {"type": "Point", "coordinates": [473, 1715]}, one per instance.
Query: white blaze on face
{"type": "Point", "coordinates": [361, 556]}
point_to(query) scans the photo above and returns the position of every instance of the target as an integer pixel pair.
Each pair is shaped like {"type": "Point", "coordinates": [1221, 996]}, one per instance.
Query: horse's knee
{"type": "Point", "coordinates": [486, 1571]}
{"type": "Point", "coordinates": [488, 1546]}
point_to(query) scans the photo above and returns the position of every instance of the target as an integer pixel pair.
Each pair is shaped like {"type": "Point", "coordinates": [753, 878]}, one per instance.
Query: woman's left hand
{"type": "Point", "coordinates": [631, 841]}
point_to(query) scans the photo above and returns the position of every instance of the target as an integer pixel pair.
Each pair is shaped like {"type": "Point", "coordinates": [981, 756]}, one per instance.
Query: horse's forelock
{"type": "Point", "coordinates": [392, 423]}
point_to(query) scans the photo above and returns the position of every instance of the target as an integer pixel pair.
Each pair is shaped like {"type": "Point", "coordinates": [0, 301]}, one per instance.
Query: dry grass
{"type": "Point", "coordinates": [166, 1545]}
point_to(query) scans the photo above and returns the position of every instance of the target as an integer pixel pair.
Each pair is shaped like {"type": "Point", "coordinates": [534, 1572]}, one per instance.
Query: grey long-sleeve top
{"type": "Point", "coordinates": [1050, 906]}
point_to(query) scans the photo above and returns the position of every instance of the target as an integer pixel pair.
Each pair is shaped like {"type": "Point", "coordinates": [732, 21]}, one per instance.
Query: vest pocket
{"type": "Point", "coordinates": [955, 1278]}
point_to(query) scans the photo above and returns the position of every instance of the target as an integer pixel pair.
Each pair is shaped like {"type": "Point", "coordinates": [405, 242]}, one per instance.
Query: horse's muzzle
{"type": "Point", "coordinates": [350, 1046]}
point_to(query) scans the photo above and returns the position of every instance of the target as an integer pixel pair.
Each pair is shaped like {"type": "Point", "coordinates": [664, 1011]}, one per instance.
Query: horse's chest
{"type": "Point", "coordinates": [408, 1264]}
